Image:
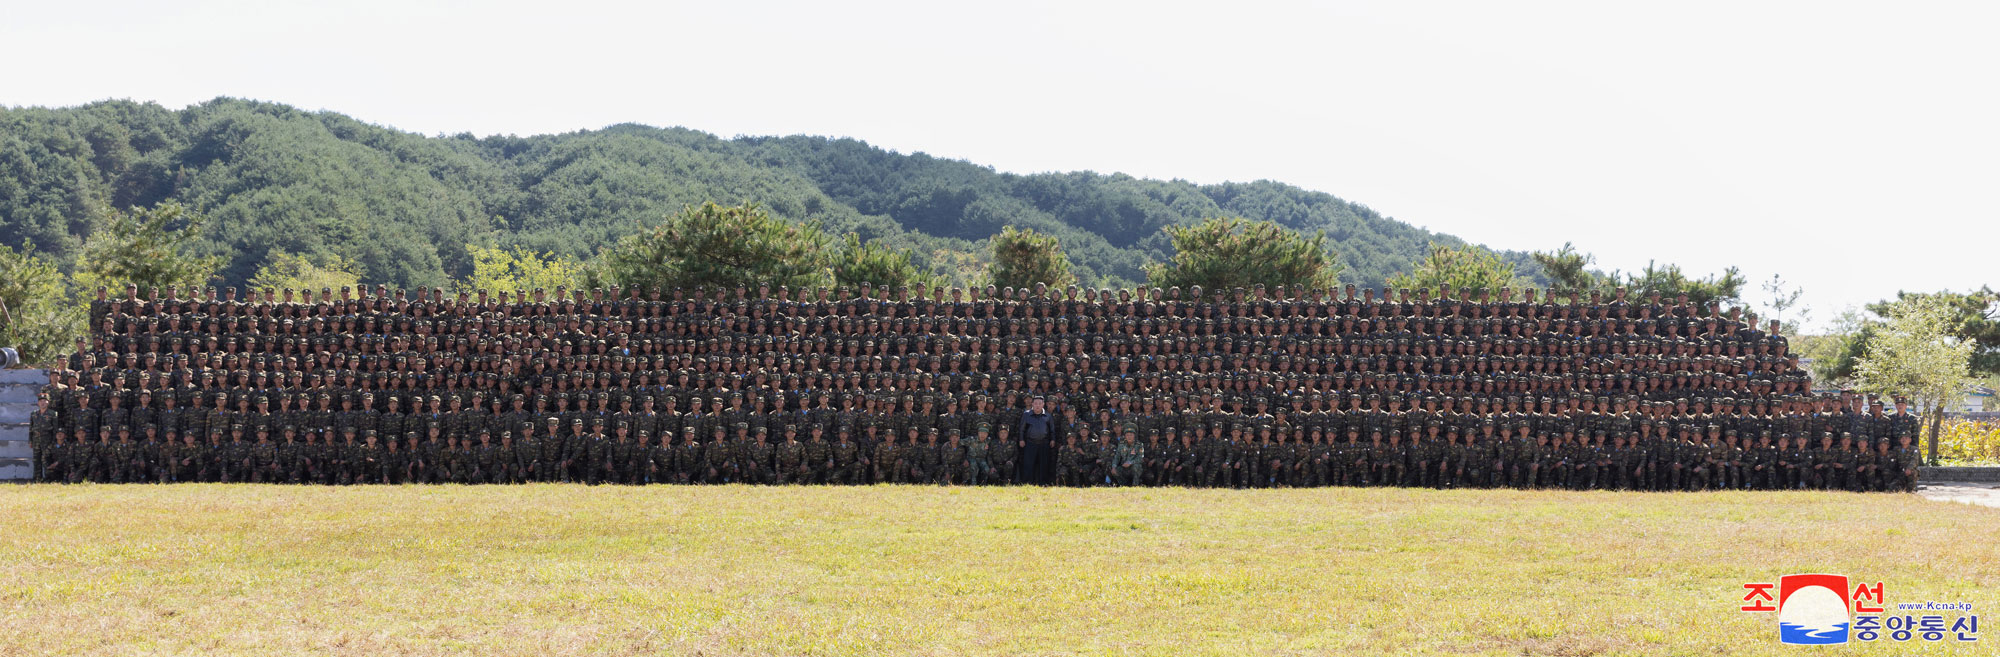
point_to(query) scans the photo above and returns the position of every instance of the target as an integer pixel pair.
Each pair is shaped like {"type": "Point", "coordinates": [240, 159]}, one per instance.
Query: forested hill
{"type": "Point", "coordinates": [274, 178]}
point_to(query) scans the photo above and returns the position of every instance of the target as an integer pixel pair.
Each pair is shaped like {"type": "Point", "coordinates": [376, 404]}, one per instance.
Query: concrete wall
{"type": "Point", "coordinates": [17, 402]}
{"type": "Point", "coordinates": [1987, 474]}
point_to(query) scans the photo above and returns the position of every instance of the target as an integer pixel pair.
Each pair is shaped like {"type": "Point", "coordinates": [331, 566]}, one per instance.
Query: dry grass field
{"type": "Point", "coordinates": [559, 570]}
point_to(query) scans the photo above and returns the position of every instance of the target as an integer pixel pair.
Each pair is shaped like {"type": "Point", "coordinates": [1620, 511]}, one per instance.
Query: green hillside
{"type": "Point", "coordinates": [274, 178]}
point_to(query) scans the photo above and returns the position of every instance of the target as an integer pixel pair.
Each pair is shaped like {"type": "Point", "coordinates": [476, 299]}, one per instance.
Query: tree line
{"type": "Point", "coordinates": [718, 246]}
{"type": "Point", "coordinates": [408, 210]}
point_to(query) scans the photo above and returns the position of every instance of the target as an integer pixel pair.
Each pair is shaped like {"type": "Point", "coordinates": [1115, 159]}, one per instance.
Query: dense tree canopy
{"type": "Point", "coordinates": [506, 271]}
{"type": "Point", "coordinates": [1022, 258]}
{"type": "Point", "coordinates": [720, 247]}
{"type": "Point", "coordinates": [37, 315]}
{"type": "Point", "coordinates": [147, 247]}
{"type": "Point", "coordinates": [284, 271]}
{"type": "Point", "coordinates": [1916, 352]}
{"type": "Point", "coordinates": [1973, 317]}
{"type": "Point", "coordinates": [1668, 280]}
{"type": "Point", "coordinates": [1227, 253]}
{"type": "Point", "coordinates": [859, 262]}
{"type": "Point", "coordinates": [1459, 268]}
{"type": "Point", "coordinates": [1567, 270]}
{"type": "Point", "coordinates": [406, 209]}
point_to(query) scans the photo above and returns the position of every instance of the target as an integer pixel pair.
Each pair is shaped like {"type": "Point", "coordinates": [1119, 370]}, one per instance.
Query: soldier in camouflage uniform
{"type": "Point", "coordinates": [887, 458]}
{"type": "Point", "coordinates": [263, 458]}
{"type": "Point", "coordinates": [1201, 362]}
{"type": "Point", "coordinates": [43, 425]}
{"type": "Point", "coordinates": [850, 463]}
{"type": "Point", "coordinates": [756, 460]}
{"type": "Point", "coordinates": [1128, 458]}
{"type": "Point", "coordinates": [978, 456]}
{"type": "Point", "coordinates": [717, 462]}
{"type": "Point", "coordinates": [58, 459]}
{"type": "Point", "coordinates": [1005, 453]}
{"type": "Point", "coordinates": [790, 455]}
{"type": "Point", "coordinates": [488, 462]}
{"type": "Point", "coordinates": [627, 456]}
{"type": "Point", "coordinates": [817, 456]}
{"type": "Point", "coordinates": [925, 460]}
{"type": "Point", "coordinates": [366, 461]}
{"type": "Point", "coordinates": [953, 464]}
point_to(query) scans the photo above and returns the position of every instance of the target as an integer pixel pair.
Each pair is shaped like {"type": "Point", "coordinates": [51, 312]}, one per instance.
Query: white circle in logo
{"type": "Point", "coordinates": [1815, 608]}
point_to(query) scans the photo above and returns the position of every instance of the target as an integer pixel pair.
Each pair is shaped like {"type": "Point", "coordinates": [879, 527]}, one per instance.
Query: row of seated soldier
{"type": "Point", "coordinates": [1248, 453]}
{"type": "Point", "coordinates": [672, 368]}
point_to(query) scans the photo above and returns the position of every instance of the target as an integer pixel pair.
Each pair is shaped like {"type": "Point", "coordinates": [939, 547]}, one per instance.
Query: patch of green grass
{"type": "Point", "coordinates": [548, 569]}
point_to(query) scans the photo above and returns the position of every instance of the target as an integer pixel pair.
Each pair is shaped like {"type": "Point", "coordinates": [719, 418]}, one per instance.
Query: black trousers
{"type": "Point", "coordinates": [1038, 464]}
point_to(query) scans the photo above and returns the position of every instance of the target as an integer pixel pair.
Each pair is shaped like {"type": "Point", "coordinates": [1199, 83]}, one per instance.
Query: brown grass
{"type": "Point", "coordinates": [559, 570]}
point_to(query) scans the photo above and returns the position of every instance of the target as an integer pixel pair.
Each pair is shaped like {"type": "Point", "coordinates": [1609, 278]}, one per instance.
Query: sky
{"type": "Point", "coordinates": [1851, 148]}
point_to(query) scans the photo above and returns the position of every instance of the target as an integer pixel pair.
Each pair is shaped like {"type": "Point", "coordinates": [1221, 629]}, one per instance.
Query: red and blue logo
{"type": "Point", "coordinates": [1813, 609]}
{"type": "Point", "coordinates": [1818, 609]}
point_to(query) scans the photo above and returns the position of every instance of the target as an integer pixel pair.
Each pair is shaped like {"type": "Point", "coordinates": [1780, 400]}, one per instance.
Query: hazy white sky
{"type": "Point", "coordinates": [1851, 147]}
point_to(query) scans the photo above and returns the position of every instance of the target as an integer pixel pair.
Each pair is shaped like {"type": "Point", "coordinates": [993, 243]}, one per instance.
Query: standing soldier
{"type": "Point", "coordinates": [43, 426]}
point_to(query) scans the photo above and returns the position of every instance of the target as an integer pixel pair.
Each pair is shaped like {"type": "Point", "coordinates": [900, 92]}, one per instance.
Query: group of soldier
{"type": "Point", "coordinates": [1240, 388]}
